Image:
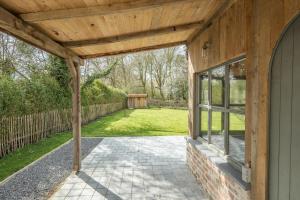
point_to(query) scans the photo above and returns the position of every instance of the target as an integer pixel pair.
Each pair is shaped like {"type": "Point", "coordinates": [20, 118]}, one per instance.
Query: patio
{"type": "Point", "coordinates": [134, 168]}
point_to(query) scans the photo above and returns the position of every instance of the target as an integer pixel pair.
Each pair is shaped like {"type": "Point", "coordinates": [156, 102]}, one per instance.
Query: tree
{"type": "Point", "coordinates": [141, 64]}
{"type": "Point", "coordinates": [160, 73]}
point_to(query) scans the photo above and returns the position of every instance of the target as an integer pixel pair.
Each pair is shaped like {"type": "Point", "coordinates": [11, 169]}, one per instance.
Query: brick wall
{"type": "Point", "coordinates": [219, 185]}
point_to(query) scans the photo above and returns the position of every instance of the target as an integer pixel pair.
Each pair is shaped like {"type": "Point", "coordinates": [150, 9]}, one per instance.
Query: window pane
{"type": "Point", "coordinates": [218, 86]}
{"type": "Point", "coordinates": [203, 122]}
{"type": "Point", "coordinates": [204, 88]}
{"type": "Point", "coordinates": [217, 129]}
{"type": "Point", "coordinates": [237, 80]}
{"type": "Point", "coordinates": [237, 136]}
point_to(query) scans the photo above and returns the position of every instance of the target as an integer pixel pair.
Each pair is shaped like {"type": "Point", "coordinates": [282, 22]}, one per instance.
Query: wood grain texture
{"type": "Point", "coordinates": [76, 112]}
{"type": "Point", "coordinates": [134, 50]}
{"type": "Point", "coordinates": [226, 37]}
{"type": "Point", "coordinates": [101, 10]}
{"type": "Point", "coordinates": [15, 26]}
{"type": "Point", "coordinates": [88, 20]}
{"type": "Point", "coordinates": [132, 36]}
{"type": "Point", "coordinates": [271, 18]}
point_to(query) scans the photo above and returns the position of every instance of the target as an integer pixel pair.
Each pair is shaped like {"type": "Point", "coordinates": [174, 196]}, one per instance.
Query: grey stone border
{"type": "Point", "coordinates": [31, 164]}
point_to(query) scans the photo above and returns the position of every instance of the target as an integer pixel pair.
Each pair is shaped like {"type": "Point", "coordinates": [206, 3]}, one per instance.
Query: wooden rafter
{"type": "Point", "coordinates": [131, 36]}
{"type": "Point", "coordinates": [20, 29]}
{"type": "Point", "coordinates": [135, 50]}
{"type": "Point", "coordinates": [116, 8]}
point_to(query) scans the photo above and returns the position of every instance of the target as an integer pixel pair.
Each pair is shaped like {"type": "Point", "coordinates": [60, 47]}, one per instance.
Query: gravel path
{"type": "Point", "coordinates": [40, 179]}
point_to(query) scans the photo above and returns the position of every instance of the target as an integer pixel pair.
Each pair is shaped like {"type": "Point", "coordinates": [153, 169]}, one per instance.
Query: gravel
{"type": "Point", "coordinates": [40, 179]}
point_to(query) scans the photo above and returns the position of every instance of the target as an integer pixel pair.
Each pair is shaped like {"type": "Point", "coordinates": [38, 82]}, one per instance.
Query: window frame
{"type": "Point", "coordinates": [227, 109]}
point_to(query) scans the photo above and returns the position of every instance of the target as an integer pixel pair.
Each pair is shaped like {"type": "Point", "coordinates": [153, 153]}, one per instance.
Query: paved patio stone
{"type": "Point", "coordinates": [134, 168]}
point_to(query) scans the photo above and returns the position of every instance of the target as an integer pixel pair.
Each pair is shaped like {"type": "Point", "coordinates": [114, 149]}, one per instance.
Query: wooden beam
{"type": "Point", "coordinates": [20, 29]}
{"type": "Point", "coordinates": [161, 46]}
{"type": "Point", "coordinates": [74, 69]}
{"type": "Point", "coordinates": [222, 7]}
{"type": "Point", "coordinates": [131, 36]}
{"type": "Point", "coordinates": [115, 8]}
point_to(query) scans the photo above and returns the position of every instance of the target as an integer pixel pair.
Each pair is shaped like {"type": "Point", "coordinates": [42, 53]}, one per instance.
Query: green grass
{"type": "Point", "coordinates": [140, 122]}
{"type": "Point", "coordinates": [22, 157]}
{"type": "Point", "coordinates": [236, 121]}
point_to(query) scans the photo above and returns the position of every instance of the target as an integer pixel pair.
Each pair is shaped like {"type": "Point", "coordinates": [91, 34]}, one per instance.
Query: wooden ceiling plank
{"type": "Point", "coordinates": [20, 29]}
{"type": "Point", "coordinates": [209, 19]}
{"type": "Point", "coordinates": [116, 8]}
{"type": "Point", "coordinates": [131, 36]}
{"type": "Point", "coordinates": [134, 50]}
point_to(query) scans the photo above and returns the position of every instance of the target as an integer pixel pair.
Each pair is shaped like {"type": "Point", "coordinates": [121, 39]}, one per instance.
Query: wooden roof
{"type": "Point", "coordinates": [93, 28]}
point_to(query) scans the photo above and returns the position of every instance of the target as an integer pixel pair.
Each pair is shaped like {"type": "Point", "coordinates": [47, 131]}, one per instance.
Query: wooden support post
{"type": "Point", "coordinates": [193, 107]}
{"type": "Point", "coordinates": [76, 113]}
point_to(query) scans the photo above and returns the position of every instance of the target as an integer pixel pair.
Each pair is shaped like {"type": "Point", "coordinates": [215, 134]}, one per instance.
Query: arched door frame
{"type": "Point", "coordinates": [275, 49]}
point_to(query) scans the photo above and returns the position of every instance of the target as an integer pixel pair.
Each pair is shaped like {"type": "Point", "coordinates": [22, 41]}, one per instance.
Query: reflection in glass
{"type": "Point", "coordinates": [217, 129]}
{"type": "Point", "coordinates": [203, 123]}
{"type": "Point", "coordinates": [218, 86]}
{"type": "Point", "coordinates": [204, 88]}
{"type": "Point", "coordinates": [237, 136]}
{"type": "Point", "coordinates": [237, 80]}
{"type": "Point", "coordinates": [224, 90]}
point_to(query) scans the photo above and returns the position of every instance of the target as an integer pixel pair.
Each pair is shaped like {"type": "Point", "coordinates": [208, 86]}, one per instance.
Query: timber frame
{"type": "Point", "coordinates": [20, 29]}
{"type": "Point", "coordinates": [84, 29]}
{"type": "Point", "coordinates": [74, 69]}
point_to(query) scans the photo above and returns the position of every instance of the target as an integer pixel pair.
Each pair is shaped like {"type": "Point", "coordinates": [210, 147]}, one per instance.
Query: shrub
{"type": "Point", "coordinates": [43, 92]}
{"type": "Point", "coordinates": [99, 93]}
{"type": "Point", "coordinates": [11, 97]}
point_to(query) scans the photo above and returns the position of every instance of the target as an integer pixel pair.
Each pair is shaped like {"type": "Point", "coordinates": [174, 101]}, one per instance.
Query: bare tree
{"type": "Point", "coordinates": [160, 73]}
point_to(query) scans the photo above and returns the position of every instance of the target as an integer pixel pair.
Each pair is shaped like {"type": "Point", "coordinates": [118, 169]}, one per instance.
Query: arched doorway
{"type": "Point", "coordinates": [284, 147]}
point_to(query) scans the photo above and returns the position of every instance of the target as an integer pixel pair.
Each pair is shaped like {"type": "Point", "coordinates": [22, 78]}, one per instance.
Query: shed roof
{"type": "Point", "coordinates": [137, 95]}
{"type": "Point", "coordinates": [93, 28]}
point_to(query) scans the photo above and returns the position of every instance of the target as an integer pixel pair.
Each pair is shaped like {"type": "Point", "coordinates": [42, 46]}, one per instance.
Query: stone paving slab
{"type": "Point", "coordinates": [134, 168]}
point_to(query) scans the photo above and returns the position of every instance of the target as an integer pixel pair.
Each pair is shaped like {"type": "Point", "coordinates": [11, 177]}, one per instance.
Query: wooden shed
{"type": "Point", "coordinates": [137, 101]}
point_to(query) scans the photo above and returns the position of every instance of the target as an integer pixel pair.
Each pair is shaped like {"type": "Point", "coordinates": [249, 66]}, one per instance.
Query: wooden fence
{"type": "Point", "coordinates": [16, 132]}
{"type": "Point", "coordinates": [167, 103]}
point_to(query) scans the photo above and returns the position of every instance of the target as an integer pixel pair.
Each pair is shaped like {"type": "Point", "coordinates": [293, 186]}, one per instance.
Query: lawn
{"type": "Point", "coordinates": [140, 122]}
{"type": "Point", "coordinates": [22, 157]}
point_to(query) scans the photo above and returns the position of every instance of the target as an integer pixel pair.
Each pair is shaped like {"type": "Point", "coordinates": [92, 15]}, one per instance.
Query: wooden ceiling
{"type": "Point", "coordinates": [93, 28]}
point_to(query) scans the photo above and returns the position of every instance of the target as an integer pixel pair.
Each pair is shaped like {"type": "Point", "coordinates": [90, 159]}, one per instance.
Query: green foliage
{"type": "Point", "coordinates": [40, 93]}
{"type": "Point", "coordinates": [51, 90]}
{"type": "Point", "coordinates": [59, 71]}
{"type": "Point", "coordinates": [99, 93]}
{"type": "Point", "coordinates": [101, 74]}
{"type": "Point", "coordinates": [43, 93]}
{"type": "Point", "coordinates": [11, 97]}
{"type": "Point", "coordinates": [7, 67]}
